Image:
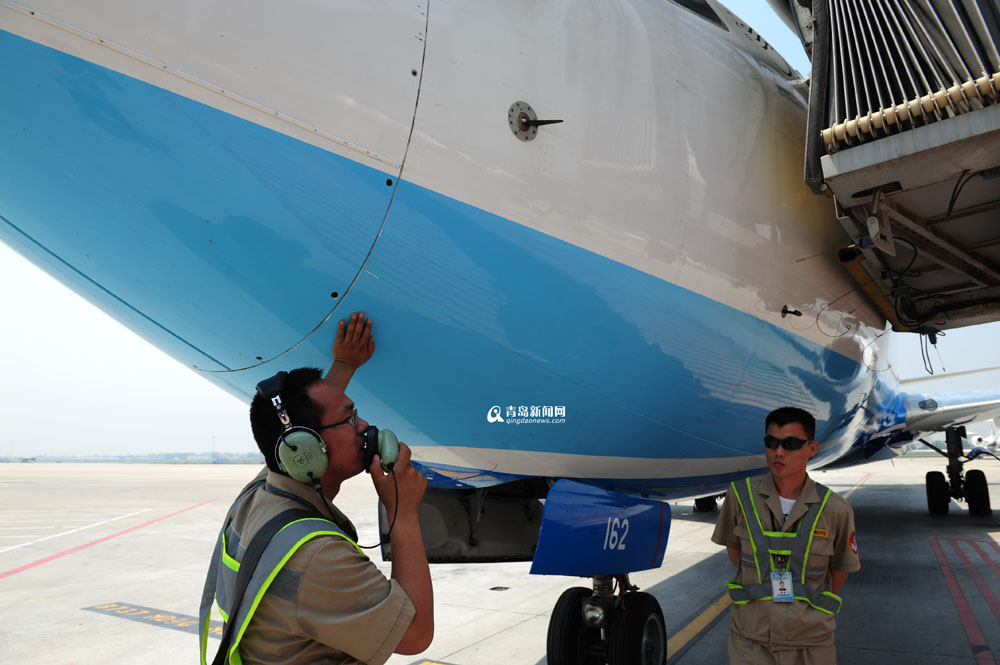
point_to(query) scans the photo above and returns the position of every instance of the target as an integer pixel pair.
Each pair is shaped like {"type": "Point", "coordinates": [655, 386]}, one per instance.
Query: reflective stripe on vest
{"type": "Point", "coordinates": [796, 545]}
{"type": "Point", "coordinates": [224, 567]}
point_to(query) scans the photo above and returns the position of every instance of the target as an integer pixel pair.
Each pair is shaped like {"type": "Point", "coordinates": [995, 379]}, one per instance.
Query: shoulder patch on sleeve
{"type": "Point", "coordinates": [853, 542]}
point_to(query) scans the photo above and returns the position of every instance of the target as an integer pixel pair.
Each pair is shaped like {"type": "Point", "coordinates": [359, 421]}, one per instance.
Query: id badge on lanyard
{"type": "Point", "coordinates": [781, 586]}
{"type": "Point", "coordinates": [781, 579]}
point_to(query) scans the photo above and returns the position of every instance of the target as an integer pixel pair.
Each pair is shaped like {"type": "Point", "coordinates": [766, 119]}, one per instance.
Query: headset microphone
{"type": "Point", "coordinates": [385, 444]}
{"type": "Point", "coordinates": [382, 443]}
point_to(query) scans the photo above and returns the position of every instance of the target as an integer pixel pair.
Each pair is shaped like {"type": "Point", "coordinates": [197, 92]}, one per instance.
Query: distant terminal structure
{"type": "Point", "coordinates": [152, 458]}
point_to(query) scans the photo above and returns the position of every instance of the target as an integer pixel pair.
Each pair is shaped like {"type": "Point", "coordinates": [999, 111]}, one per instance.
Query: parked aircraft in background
{"type": "Point", "coordinates": [580, 226]}
{"type": "Point", "coordinates": [971, 441]}
{"type": "Point", "coordinates": [988, 442]}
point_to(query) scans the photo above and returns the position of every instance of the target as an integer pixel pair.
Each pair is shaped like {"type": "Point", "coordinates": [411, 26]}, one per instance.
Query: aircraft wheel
{"type": "Point", "coordinates": [704, 504]}
{"type": "Point", "coordinates": [977, 494]}
{"type": "Point", "coordinates": [570, 641]}
{"type": "Point", "coordinates": [638, 635]}
{"type": "Point", "coordinates": [938, 498]}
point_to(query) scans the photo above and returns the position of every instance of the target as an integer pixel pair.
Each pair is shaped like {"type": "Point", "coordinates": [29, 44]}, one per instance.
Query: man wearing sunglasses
{"type": "Point", "coordinates": [325, 601]}
{"type": "Point", "coordinates": [793, 544]}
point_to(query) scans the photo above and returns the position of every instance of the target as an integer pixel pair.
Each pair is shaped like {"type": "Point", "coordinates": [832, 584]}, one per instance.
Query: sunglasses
{"type": "Point", "coordinates": [353, 419]}
{"type": "Point", "coordinates": [790, 443]}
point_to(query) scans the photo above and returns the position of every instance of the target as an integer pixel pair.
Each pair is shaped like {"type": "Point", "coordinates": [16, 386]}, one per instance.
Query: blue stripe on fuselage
{"type": "Point", "coordinates": [644, 367]}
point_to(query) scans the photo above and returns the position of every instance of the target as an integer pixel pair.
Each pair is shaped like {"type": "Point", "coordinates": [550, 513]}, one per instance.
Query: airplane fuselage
{"type": "Point", "coordinates": [650, 275]}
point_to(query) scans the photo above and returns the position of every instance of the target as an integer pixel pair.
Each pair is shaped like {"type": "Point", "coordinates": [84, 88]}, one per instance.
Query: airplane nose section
{"type": "Point", "coordinates": [197, 213]}
{"type": "Point", "coordinates": [232, 228]}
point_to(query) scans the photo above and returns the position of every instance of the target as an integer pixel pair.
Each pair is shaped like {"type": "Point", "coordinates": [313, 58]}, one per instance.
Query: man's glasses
{"type": "Point", "coordinates": [353, 419]}
{"type": "Point", "coordinates": [789, 443]}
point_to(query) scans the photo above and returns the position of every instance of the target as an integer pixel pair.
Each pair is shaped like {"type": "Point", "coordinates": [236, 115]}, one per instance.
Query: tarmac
{"type": "Point", "coordinates": [104, 563]}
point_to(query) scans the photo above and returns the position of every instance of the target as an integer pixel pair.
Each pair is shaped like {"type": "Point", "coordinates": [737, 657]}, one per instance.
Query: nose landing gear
{"type": "Point", "coordinates": [638, 632]}
{"type": "Point", "coordinates": [971, 486]}
{"type": "Point", "coordinates": [597, 628]}
{"type": "Point", "coordinates": [570, 640]}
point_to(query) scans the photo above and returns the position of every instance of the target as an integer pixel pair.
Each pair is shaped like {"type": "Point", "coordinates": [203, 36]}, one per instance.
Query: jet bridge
{"type": "Point", "coordinates": [904, 136]}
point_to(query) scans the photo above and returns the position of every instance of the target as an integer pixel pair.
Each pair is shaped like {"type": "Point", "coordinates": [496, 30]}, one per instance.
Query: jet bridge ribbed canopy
{"type": "Point", "coordinates": [899, 64]}
{"type": "Point", "coordinates": [904, 132]}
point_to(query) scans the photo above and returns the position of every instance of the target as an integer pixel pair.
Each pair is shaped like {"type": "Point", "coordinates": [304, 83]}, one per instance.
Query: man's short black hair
{"type": "Point", "coordinates": [301, 410]}
{"type": "Point", "coordinates": [787, 415]}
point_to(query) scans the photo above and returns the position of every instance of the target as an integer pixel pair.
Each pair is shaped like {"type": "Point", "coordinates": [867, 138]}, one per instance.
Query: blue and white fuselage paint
{"type": "Point", "coordinates": [602, 303]}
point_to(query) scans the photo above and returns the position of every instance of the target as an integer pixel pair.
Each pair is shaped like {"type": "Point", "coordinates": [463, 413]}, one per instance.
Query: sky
{"type": "Point", "coordinates": [77, 382]}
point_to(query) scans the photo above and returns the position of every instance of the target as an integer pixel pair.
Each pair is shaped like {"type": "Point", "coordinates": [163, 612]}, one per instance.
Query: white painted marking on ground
{"type": "Point", "coordinates": [66, 533]}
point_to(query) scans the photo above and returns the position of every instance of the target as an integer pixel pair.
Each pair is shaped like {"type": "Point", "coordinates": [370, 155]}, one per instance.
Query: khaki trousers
{"type": "Point", "coordinates": [747, 652]}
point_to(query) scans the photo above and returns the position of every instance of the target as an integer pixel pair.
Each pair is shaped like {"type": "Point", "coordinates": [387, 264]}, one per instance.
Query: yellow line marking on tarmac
{"type": "Point", "coordinates": [700, 622]}
{"type": "Point", "coordinates": [688, 632]}
{"type": "Point", "coordinates": [848, 492]}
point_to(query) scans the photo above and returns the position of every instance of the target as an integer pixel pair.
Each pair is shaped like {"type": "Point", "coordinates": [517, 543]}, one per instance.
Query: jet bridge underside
{"type": "Point", "coordinates": [904, 135]}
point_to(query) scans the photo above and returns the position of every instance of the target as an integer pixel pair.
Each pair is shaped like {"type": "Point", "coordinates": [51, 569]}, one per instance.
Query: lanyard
{"type": "Point", "coordinates": [268, 487]}
{"type": "Point", "coordinates": [774, 526]}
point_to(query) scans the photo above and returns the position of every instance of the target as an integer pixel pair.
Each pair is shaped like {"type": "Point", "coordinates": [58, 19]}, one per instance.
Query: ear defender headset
{"type": "Point", "coordinates": [299, 451]}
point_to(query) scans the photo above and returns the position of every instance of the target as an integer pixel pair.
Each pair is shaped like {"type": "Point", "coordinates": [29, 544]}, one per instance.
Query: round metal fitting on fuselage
{"type": "Point", "coordinates": [518, 117]}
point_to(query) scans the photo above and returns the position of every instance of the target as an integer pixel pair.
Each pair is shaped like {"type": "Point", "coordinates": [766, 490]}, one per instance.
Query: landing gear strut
{"type": "Point", "coordinates": [972, 486]}
{"type": "Point", "coordinates": [597, 627]}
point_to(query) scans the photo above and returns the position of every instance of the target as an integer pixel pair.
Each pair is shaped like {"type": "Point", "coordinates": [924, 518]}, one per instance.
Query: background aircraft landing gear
{"type": "Point", "coordinates": [597, 627]}
{"type": "Point", "coordinates": [705, 504]}
{"type": "Point", "coordinates": [972, 486]}
{"type": "Point", "coordinates": [977, 494]}
{"type": "Point", "coordinates": [938, 497]}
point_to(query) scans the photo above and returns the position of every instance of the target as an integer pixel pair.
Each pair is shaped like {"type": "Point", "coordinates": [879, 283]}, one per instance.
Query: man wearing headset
{"type": "Point", "coordinates": [793, 544]}
{"type": "Point", "coordinates": [328, 602]}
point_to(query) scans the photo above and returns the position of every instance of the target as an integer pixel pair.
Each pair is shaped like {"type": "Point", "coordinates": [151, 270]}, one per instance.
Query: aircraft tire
{"type": "Point", "coordinates": [977, 494]}
{"type": "Point", "coordinates": [638, 636]}
{"type": "Point", "coordinates": [938, 498]}
{"type": "Point", "coordinates": [570, 641]}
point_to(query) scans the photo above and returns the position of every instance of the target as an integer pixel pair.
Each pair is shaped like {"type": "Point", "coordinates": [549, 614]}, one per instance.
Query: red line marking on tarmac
{"type": "Point", "coordinates": [986, 557]}
{"type": "Point", "coordinates": [99, 540]}
{"type": "Point", "coordinates": [988, 596]}
{"type": "Point", "coordinates": [981, 650]}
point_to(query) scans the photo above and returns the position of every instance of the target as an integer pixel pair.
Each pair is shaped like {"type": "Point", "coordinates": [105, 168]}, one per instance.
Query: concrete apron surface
{"type": "Point", "coordinates": [104, 563]}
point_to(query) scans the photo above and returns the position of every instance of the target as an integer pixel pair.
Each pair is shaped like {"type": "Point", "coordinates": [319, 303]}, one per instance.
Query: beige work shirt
{"type": "Point", "coordinates": [795, 625]}
{"type": "Point", "coordinates": [329, 604]}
